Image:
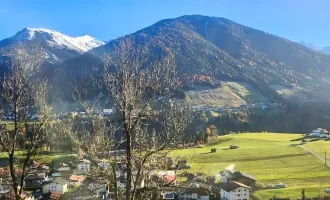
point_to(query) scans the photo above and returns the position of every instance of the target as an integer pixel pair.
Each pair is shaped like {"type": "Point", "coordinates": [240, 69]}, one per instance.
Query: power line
{"type": "Point", "coordinates": [302, 171]}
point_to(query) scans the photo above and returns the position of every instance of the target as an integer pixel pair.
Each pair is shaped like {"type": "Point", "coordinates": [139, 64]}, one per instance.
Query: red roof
{"type": "Point", "coordinates": [5, 171]}
{"type": "Point", "coordinates": [55, 195]}
{"type": "Point", "coordinates": [76, 178]}
{"type": "Point", "coordinates": [35, 164]}
{"type": "Point", "coordinates": [170, 178]}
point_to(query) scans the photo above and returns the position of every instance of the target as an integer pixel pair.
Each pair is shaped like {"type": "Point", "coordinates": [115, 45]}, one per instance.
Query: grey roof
{"type": "Point", "coordinates": [230, 175]}
{"type": "Point", "coordinates": [230, 186]}
{"type": "Point", "coordinates": [170, 195]}
{"type": "Point", "coordinates": [240, 174]}
{"type": "Point", "coordinates": [200, 191]}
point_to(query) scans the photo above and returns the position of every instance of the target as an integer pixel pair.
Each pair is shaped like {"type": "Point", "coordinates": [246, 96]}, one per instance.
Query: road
{"type": "Point", "coordinates": [315, 154]}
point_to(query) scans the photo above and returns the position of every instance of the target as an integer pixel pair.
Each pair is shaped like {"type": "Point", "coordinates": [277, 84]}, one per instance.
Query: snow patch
{"type": "Point", "coordinates": [55, 39]}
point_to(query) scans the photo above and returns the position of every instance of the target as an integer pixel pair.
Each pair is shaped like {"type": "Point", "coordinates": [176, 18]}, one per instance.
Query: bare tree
{"type": "Point", "coordinates": [22, 91]}
{"type": "Point", "coordinates": [146, 119]}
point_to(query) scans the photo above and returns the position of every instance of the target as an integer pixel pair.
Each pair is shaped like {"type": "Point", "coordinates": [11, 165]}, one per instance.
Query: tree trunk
{"type": "Point", "coordinates": [13, 176]}
{"type": "Point", "coordinates": [113, 166]}
{"type": "Point", "coordinates": [128, 166]}
{"type": "Point", "coordinates": [11, 157]}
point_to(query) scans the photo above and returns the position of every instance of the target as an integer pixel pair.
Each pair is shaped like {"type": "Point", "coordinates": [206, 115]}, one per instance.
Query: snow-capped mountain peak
{"type": "Point", "coordinates": [58, 40]}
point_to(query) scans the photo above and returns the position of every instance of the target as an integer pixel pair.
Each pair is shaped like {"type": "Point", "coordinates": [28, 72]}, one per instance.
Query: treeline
{"type": "Point", "coordinates": [291, 118]}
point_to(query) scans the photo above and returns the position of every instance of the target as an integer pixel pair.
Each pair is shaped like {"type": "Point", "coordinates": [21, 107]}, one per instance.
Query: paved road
{"type": "Point", "coordinates": [315, 154]}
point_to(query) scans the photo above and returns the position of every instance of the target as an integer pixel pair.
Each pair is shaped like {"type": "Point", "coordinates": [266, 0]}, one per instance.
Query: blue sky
{"type": "Point", "coordinates": [307, 20]}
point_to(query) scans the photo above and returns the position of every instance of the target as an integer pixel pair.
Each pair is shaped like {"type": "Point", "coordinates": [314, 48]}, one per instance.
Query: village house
{"type": "Point", "coordinates": [234, 191]}
{"type": "Point", "coordinates": [63, 168]}
{"type": "Point", "coordinates": [36, 167]}
{"type": "Point", "coordinates": [37, 178]}
{"type": "Point", "coordinates": [4, 187]}
{"type": "Point", "coordinates": [56, 174]}
{"type": "Point", "coordinates": [107, 111]}
{"type": "Point", "coordinates": [5, 181]}
{"type": "Point", "coordinates": [55, 196]}
{"type": "Point", "coordinates": [58, 185]}
{"type": "Point", "coordinates": [195, 194]}
{"type": "Point", "coordinates": [43, 169]}
{"type": "Point", "coordinates": [103, 164]}
{"type": "Point", "coordinates": [164, 177]}
{"type": "Point", "coordinates": [38, 195]}
{"type": "Point", "coordinates": [227, 176]}
{"type": "Point", "coordinates": [170, 195]}
{"type": "Point", "coordinates": [75, 180]}
{"type": "Point", "coordinates": [26, 196]}
{"type": "Point", "coordinates": [84, 165]}
{"type": "Point", "coordinates": [319, 132]}
{"type": "Point", "coordinates": [32, 165]}
{"type": "Point", "coordinates": [85, 193]}
{"type": "Point", "coordinates": [100, 187]}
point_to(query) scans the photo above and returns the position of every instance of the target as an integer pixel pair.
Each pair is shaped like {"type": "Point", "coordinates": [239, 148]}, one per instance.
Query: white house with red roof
{"type": "Point", "coordinates": [75, 180]}
{"type": "Point", "coordinates": [167, 176]}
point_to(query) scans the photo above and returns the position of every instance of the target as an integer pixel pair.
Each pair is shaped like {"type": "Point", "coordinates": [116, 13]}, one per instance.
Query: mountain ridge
{"type": "Point", "coordinates": [325, 50]}
{"type": "Point", "coordinates": [57, 46]}
{"type": "Point", "coordinates": [222, 50]}
{"type": "Point", "coordinates": [212, 50]}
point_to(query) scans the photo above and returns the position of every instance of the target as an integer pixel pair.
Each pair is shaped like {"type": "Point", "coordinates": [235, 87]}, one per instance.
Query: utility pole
{"type": "Point", "coordinates": [325, 158]}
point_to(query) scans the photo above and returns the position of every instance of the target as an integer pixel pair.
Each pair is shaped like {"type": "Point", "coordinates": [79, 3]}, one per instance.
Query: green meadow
{"type": "Point", "coordinates": [269, 157]}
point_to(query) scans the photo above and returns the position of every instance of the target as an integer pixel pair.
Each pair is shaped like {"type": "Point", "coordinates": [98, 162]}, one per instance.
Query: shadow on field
{"type": "Point", "coordinates": [298, 139]}
{"type": "Point", "coordinates": [314, 139]}
{"type": "Point", "coordinates": [273, 157]}
{"type": "Point", "coordinates": [205, 153]}
{"type": "Point", "coordinates": [262, 158]}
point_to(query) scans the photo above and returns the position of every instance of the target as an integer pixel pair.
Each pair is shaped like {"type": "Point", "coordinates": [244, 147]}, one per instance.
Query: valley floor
{"type": "Point", "coordinates": [270, 157]}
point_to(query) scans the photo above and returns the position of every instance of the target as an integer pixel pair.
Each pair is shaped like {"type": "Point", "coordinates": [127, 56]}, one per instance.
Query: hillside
{"type": "Point", "coordinates": [210, 49]}
{"type": "Point", "coordinates": [222, 97]}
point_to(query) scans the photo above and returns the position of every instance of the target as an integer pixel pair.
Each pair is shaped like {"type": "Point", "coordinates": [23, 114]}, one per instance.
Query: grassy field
{"type": "Point", "coordinates": [222, 96]}
{"type": "Point", "coordinates": [270, 157]}
{"type": "Point", "coordinates": [319, 147]}
{"type": "Point", "coordinates": [247, 92]}
{"type": "Point", "coordinates": [42, 158]}
{"type": "Point", "coordinates": [232, 94]}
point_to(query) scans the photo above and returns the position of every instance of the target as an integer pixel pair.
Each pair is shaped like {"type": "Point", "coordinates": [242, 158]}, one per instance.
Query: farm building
{"type": "Point", "coordinates": [233, 146]}
{"type": "Point", "coordinates": [227, 176]}
{"type": "Point", "coordinates": [182, 164]}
